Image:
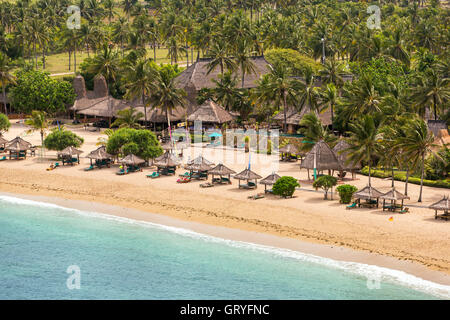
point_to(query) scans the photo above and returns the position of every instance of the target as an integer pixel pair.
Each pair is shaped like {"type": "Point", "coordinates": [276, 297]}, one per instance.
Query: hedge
{"type": "Point", "coordinates": [402, 177]}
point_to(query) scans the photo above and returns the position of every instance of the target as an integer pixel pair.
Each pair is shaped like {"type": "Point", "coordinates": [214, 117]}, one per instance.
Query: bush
{"type": "Point", "coordinates": [346, 192]}
{"type": "Point", "coordinates": [292, 59]}
{"type": "Point", "coordinates": [4, 123]}
{"type": "Point", "coordinates": [285, 186]}
{"type": "Point", "coordinates": [61, 139]}
{"type": "Point", "coordinates": [142, 143]}
{"type": "Point", "coordinates": [325, 182]}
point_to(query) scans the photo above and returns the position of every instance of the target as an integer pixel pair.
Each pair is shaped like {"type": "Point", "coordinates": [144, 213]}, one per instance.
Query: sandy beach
{"type": "Point", "coordinates": [415, 241]}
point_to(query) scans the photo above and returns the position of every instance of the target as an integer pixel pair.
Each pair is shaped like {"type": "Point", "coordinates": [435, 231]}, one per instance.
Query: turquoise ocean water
{"type": "Point", "coordinates": [124, 259]}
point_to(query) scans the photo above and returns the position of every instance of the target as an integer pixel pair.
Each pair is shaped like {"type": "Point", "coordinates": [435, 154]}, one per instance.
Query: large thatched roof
{"type": "Point", "coordinates": [70, 151]}
{"type": "Point", "coordinates": [196, 77]}
{"type": "Point", "coordinates": [289, 148]}
{"type": "Point", "coordinates": [132, 159]}
{"type": "Point", "coordinates": [201, 166]}
{"type": "Point", "coordinates": [393, 195]}
{"type": "Point", "coordinates": [247, 175]}
{"type": "Point", "coordinates": [210, 112]}
{"type": "Point", "coordinates": [17, 144]}
{"type": "Point", "coordinates": [166, 160]}
{"type": "Point", "coordinates": [221, 170]}
{"type": "Point", "coordinates": [325, 158]}
{"type": "Point", "coordinates": [367, 192]}
{"type": "Point", "coordinates": [270, 179]}
{"type": "Point", "coordinates": [158, 116]}
{"type": "Point", "coordinates": [293, 116]}
{"type": "Point", "coordinates": [201, 159]}
{"type": "Point", "coordinates": [99, 154]}
{"type": "Point", "coordinates": [443, 204]}
{"type": "Point", "coordinates": [342, 156]}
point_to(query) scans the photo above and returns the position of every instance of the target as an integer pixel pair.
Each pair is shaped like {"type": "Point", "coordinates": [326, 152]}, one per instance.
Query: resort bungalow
{"type": "Point", "coordinates": [269, 181]}
{"type": "Point", "coordinates": [17, 148]}
{"type": "Point", "coordinates": [210, 113]}
{"type": "Point", "coordinates": [369, 194]}
{"type": "Point", "coordinates": [343, 158]}
{"type": "Point", "coordinates": [248, 175]}
{"type": "Point", "coordinates": [321, 158]}
{"type": "Point", "coordinates": [223, 172]}
{"type": "Point", "coordinates": [70, 155]}
{"type": "Point", "coordinates": [441, 205]}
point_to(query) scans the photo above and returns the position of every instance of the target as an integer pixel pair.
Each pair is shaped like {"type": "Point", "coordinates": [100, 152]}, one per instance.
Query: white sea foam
{"type": "Point", "coordinates": [365, 270]}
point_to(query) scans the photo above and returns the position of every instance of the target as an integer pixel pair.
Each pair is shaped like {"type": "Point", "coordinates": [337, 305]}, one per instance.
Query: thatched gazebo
{"type": "Point", "coordinates": [167, 163]}
{"type": "Point", "coordinates": [393, 196]}
{"type": "Point", "coordinates": [368, 193]}
{"type": "Point", "coordinates": [287, 151]}
{"type": "Point", "coordinates": [320, 158]}
{"type": "Point", "coordinates": [132, 160]}
{"type": "Point", "coordinates": [441, 205]}
{"type": "Point", "coordinates": [70, 155]}
{"type": "Point", "coordinates": [248, 175]}
{"type": "Point", "coordinates": [199, 167]}
{"type": "Point", "coordinates": [17, 148]}
{"type": "Point", "coordinates": [200, 159]}
{"type": "Point", "coordinates": [223, 172]}
{"type": "Point", "coordinates": [269, 180]}
{"type": "Point", "coordinates": [343, 158]}
{"type": "Point", "coordinates": [100, 156]}
{"type": "Point", "coordinates": [210, 112]}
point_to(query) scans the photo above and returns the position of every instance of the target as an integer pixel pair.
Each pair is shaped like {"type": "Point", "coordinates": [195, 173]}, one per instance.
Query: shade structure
{"type": "Point", "coordinates": [132, 160]}
{"type": "Point", "coordinates": [221, 170]}
{"type": "Point", "coordinates": [3, 141]}
{"type": "Point", "coordinates": [442, 205]}
{"type": "Point", "coordinates": [321, 157]}
{"type": "Point", "coordinates": [343, 156]}
{"type": "Point", "coordinates": [367, 193]}
{"type": "Point", "coordinates": [289, 148]}
{"type": "Point", "coordinates": [17, 144]}
{"type": "Point", "coordinates": [270, 179]}
{"type": "Point", "coordinates": [210, 112]}
{"type": "Point", "coordinates": [201, 159]}
{"type": "Point", "coordinates": [247, 175]}
{"type": "Point", "coordinates": [166, 160]}
{"type": "Point", "coordinates": [393, 195]}
{"type": "Point", "coordinates": [99, 154]}
{"type": "Point", "coordinates": [69, 152]}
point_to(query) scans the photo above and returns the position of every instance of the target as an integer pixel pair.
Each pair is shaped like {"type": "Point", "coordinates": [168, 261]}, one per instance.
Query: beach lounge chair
{"type": "Point", "coordinates": [256, 196]}
{"type": "Point", "coordinates": [3, 158]}
{"type": "Point", "coordinates": [405, 210]}
{"type": "Point", "coordinates": [56, 165]}
{"type": "Point", "coordinates": [249, 185]}
{"type": "Point", "coordinates": [353, 205]}
{"type": "Point", "coordinates": [89, 168]}
{"type": "Point", "coordinates": [206, 185]}
{"type": "Point", "coordinates": [186, 174]}
{"type": "Point", "coordinates": [153, 175]}
{"type": "Point", "coordinates": [122, 172]}
{"type": "Point", "coordinates": [184, 180]}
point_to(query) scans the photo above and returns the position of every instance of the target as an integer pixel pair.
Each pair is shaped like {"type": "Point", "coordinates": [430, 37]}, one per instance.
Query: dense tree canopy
{"type": "Point", "coordinates": [141, 143]}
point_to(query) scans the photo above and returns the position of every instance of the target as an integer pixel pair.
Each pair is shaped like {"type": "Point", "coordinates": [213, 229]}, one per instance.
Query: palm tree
{"type": "Point", "coordinates": [139, 81]}
{"type": "Point", "coordinates": [110, 9]}
{"type": "Point", "coordinates": [225, 91]}
{"type": "Point", "coordinates": [121, 33]}
{"type": "Point", "coordinates": [416, 144]}
{"type": "Point", "coordinates": [6, 77]}
{"type": "Point", "coordinates": [364, 141]}
{"type": "Point", "coordinates": [128, 118]}
{"type": "Point", "coordinates": [105, 63]}
{"type": "Point", "coordinates": [219, 58]}
{"type": "Point", "coordinates": [308, 93]}
{"type": "Point", "coordinates": [38, 122]}
{"type": "Point", "coordinates": [332, 72]}
{"type": "Point", "coordinates": [174, 50]}
{"type": "Point", "coordinates": [314, 130]}
{"type": "Point", "coordinates": [329, 98]}
{"type": "Point", "coordinates": [243, 55]}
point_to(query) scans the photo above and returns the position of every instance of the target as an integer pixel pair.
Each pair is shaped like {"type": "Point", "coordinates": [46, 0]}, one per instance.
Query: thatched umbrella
{"type": "Point", "coordinates": [200, 166]}
{"type": "Point", "coordinates": [17, 148]}
{"type": "Point", "coordinates": [343, 158]}
{"type": "Point", "coordinates": [100, 155]}
{"type": "Point", "coordinates": [320, 158]}
{"type": "Point", "coordinates": [68, 154]}
{"type": "Point", "coordinates": [3, 142]}
{"type": "Point", "coordinates": [393, 196]}
{"type": "Point", "coordinates": [200, 159]}
{"type": "Point", "coordinates": [132, 160]}
{"type": "Point", "coordinates": [367, 193]}
{"type": "Point", "coordinates": [248, 175]}
{"type": "Point", "coordinates": [441, 205]}
{"type": "Point", "coordinates": [269, 180]}
{"type": "Point", "coordinates": [166, 161]}
{"type": "Point", "coordinates": [287, 150]}
{"type": "Point", "coordinates": [222, 171]}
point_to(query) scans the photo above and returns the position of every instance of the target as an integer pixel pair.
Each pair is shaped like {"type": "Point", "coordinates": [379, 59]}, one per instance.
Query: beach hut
{"type": "Point", "coordinates": [166, 163]}
{"type": "Point", "coordinates": [100, 156]}
{"type": "Point", "coordinates": [199, 167]}
{"type": "Point", "coordinates": [369, 194]}
{"type": "Point", "coordinates": [320, 158]}
{"type": "Point", "coordinates": [441, 205]}
{"type": "Point", "coordinates": [70, 155]}
{"type": "Point", "coordinates": [201, 159]}
{"type": "Point", "coordinates": [210, 113]}
{"type": "Point", "coordinates": [393, 196]}
{"type": "Point", "coordinates": [343, 159]}
{"type": "Point", "coordinates": [287, 151]}
{"type": "Point", "coordinates": [223, 172]}
{"type": "Point", "coordinates": [269, 181]}
{"type": "Point", "coordinates": [248, 175]}
{"type": "Point", "coordinates": [17, 148]}
{"type": "Point", "coordinates": [131, 163]}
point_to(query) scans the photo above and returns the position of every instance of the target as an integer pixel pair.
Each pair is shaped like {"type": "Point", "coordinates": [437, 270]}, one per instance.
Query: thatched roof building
{"type": "Point", "coordinates": [166, 160]}
{"type": "Point", "coordinates": [321, 157]}
{"type": "Point", "coordinates": [221, 170]}
{"type": "Point", "coordinates": [200, 159]}
{"type": "Point", "coordinates": [200, 166]}
{"type": "Point", "coordinates": [210, 112]}
{"type": "Point", "coordinates": [17, 144]}
{"type": "Point", "coordinates": [99, 154]}
{"type": "Point", "coordinates": [343, 156]}
{"type": "Point", "coordinates": [367, 193]}
{"type": "Point", "coordinates": [289, 148]}
{"type": "Point", "coordinates": [393, 195]}
{"type": "Point", "coordinates": [293, 117]}
{"type": "Point", "coordinates": [270, 179]}
{"type": "Point", "coordinates": [132, 160]}
{"type": "Point", "coordinates": [247, 175]}
{"type": "Point", "coordinates": [441, 205]}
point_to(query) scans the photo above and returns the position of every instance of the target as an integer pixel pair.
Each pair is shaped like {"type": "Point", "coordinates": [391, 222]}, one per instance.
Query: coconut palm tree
{"type": "Point", "coordinates": [219, 58]}
{"type": "Point", "coordinates": [308, 93]}
{"type": "Point", "coordinates": [243, 54]}
{"type": "Point", "coordinates": [128, 118]}
{"type": "Point", "coordinates": [313, 130]}
{"type": "Point", "coordinates": [225, 91]}
{"type": "Point", "coordinates": [364, 141]}
{"type": "Point", "coordinates": [328, 98]}
{"type": "Point", "coordinates": [417, 143]}
{"type": "Point", "coordinates": [332, 72]}
{"type": "Point", "coordinates": [106, 63]}
{"type": "Point", "coordinates": [6, 77]}
{"type": "Point", "coordinates": [110, 9]}
{"type": "Point", "coordinates": [38, 122]}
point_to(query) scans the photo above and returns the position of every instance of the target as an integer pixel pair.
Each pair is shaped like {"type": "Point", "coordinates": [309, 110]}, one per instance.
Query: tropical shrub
{"type": "Point", "coordinates": [142, 143]}
{"type": "Point", "coordinates": [292, 59]}
{"type": "Point", "coordinates": [285, 186]}
{"type": "Point", "coordinates": [61, 139]}
{"type": "Point", "coordinates": [346, 192]}
{"type": "Point", "coordinates": [4, 123]}
{"type": "Point", "coordinates": [325, 182]}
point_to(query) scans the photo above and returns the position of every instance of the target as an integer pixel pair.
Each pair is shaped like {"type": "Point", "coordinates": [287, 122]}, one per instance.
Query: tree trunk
{"type": "Point", "coordinates": [421, 177]}
{"type": "Point", "coordinates": [75, 58]}
{"type": "Point", "coordinates": [392, 172]}
{"type": "Point", "coordinates": [145, 111]}
{"type": "Point", "coordinates": [154, 50]}
{"type": "Point", "coordinates": [369, 175]}
{"type": "Point", "coordinates": [332, 116]}
{"type": "Point", "coordinates": [35, 55]}
{"type": "Point", "coordinates": [285, 112]}
{"type": "Point", "coordinates": [43, 56]}
{"type": "Point", "coordinates": [70, 56]}
{"type": "Point", "coordinates": [406, 181]}
{"type": "Point", "coordinates": [243, 75]}
{"type": "Point", "coordinates": [4, 97]}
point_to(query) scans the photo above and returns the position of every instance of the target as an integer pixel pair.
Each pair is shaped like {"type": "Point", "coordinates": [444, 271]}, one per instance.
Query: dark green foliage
{"type": "Point", "coordinates": [285, 186]}
{"type": "Point", "coordinates": [4, 123]}
{"type": "Point", "coordinates": [142, 143]}
{"type": "Point", "coordinates": [61, 139]}
{"type": "Point", "coordinates": [346, 192]}
{"type": "Point", "coordinates": [325, 182]}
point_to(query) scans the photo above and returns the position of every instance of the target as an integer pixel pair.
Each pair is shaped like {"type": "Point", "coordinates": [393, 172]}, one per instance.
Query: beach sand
{"type": "Point", "coordinates": [414, 242]}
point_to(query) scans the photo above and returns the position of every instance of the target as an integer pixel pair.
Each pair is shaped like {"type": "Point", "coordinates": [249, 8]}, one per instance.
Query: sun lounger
{"type": "Point", "coordinates": [186, 174]}
{"type": "Point", "coordinates": [3, 158]}
{"type": "Point", "coordinates": [405, 210]}
{"type": "Point", "coordinates": [89, 168]}
{"type": "Point", "coordinates": [122, 172]}
{"type": "Point", "coordinates": [206, 185]}
{"type": "Point", "coordinates": [353, 205]}
{"type": "Point", "coordinates": [184, 180]}
{"type": "Point", "coordinates": [256, 196]}
{"type": "Point", "coordinates": [250, 185]}
{"type": "Point", "coordinates": [153, 175]}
